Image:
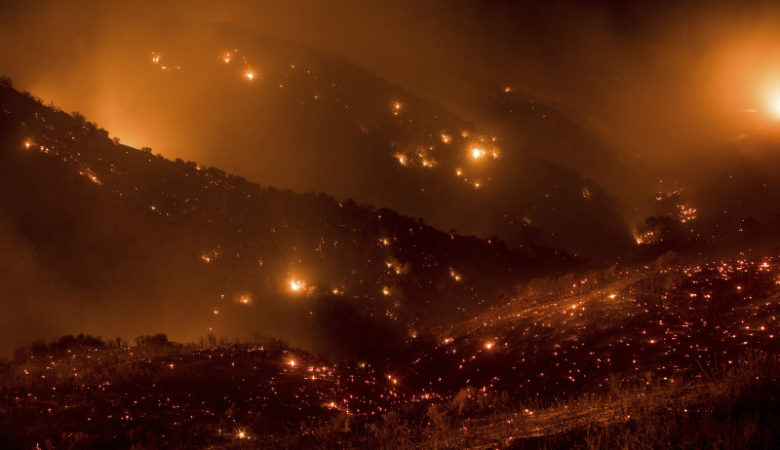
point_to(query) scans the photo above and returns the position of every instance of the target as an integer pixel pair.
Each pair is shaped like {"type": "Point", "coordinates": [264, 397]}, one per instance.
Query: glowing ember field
{"type": "Point", "coordinates": [583, 341]}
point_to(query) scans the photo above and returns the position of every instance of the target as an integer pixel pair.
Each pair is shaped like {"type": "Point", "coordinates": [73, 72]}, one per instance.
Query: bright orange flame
{"type": "Point", "coordinates": [297, 285]}
{"type": "Point", "coordinates": [249, 75]}
{"type": "Point", "coordinates": [477, 152]}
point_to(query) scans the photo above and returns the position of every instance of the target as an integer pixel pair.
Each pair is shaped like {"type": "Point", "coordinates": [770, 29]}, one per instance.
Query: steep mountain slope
{"type": "Point", "coordinates": [544, 132]}
{"type": "Point", "coordinates": [137, 243]}
{"type": "Point", "coordinates": [309, 121]}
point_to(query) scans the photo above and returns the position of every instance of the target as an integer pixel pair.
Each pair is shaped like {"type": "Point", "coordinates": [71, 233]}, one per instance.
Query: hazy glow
{"type": "Point", "coordinates": [773, 104]}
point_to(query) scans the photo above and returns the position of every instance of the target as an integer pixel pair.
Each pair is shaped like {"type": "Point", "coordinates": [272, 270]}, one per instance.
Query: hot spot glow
{"type": "Point", "coordinates": [477, 152]}
{"type": "Point", "coordinates": [297, 285]}
{"type": "Point", "coordinates": [773, 104]}
{"type": "Point", "coordinates": [250, 75]}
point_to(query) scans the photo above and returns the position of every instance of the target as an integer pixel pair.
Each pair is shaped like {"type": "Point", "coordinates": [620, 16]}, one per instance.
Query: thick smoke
{"type": "Point", "coordinates": [689, 69]}
{"type": "Point", "coordinates": [658, 85]}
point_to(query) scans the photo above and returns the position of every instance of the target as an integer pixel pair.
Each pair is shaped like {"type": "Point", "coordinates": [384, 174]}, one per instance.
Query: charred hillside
{"type": "Point", "coordinates": [199, 251]}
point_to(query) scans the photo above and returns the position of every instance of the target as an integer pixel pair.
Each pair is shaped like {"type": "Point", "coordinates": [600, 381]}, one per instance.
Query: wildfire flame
{"type": "Point", "coordinates": [297, 285]}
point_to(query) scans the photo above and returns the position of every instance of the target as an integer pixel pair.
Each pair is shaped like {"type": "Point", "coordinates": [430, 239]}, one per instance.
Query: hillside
{"type": "Point", "coordinates": [310, 121]}
{"type": "Point", "coordinates": [109, 234]}
{"type": "Point", "coordinates": [598, 364]}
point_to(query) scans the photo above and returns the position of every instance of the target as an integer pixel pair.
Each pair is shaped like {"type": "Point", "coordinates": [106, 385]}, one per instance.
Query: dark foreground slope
{"type": "Point", "coordinates": [680, 354]}
{"type": "Point", "coordinates": [117, 241]}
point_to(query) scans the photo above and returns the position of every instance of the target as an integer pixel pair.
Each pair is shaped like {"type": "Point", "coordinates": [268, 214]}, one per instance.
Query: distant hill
{"type": "Point", "coordinates": [308, 121]}
{"type": "Point", "coordinates": [113, 240]}
{"type": "Point", "coordinates": [737, 186]}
